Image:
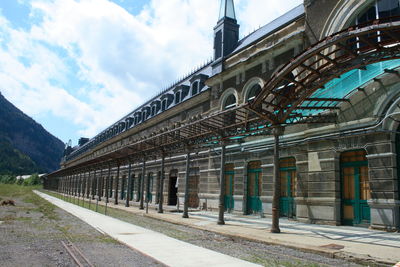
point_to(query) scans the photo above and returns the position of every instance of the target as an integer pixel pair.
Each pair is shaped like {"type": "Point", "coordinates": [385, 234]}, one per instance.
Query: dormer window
{"type": "Point", "coordinates": [177, 97]}
{"type": "Point", "coordinates": [144, 115]}
{"type": "Point", "coordinates": [138, 118]}
{"type": "Point", "coordinates": [195, 88]}
{"type": "Point", "coordinates": [153, 110]}
{"type": "Point", "coordinates": [164, 105]}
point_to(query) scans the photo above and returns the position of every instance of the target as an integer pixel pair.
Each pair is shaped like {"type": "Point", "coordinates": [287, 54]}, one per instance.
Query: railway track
{"type": "Point", "coordinates": [76, 254]}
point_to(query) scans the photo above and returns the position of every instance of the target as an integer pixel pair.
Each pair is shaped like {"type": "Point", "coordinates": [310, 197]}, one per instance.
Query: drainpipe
{"type": "Point", "coordinates": [221, 206]}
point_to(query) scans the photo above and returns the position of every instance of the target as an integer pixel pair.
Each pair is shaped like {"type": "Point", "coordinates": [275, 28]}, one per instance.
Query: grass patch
{"type": "Point", "coordinates": [25, 193]}
{"type": "Point", "coordinates": [46, 208]}
{"type": "Point", "coordinates": [13, 190]}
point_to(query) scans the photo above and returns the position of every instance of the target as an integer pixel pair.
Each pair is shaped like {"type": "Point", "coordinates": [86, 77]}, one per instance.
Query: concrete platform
{"type": "Point", "coordinates": [162, 248]}
{"type": "Point", "coordinates": [354, 243]}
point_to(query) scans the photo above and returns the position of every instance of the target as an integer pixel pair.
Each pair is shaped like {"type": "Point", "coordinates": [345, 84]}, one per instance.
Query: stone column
{"type": "Point", "coordinates": [128, 190]}
{"type": "Point", "coordinates": [186, 201]}
{"type": "Point", "coordinates": [108, 182]}
{"type": "Point", "coordinates": [116, 186]}
{"type": "Point", "coordinates": [142, 185]}
{"type": "Point", "coordinates": [161, 197]}
{"type": "Point", "coordinates": [221, 205]}
{"type": "Point", "coordinates": [277, 131]}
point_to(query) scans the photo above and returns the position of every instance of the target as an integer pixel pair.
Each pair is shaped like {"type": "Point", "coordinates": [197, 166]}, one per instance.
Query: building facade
{"type": "Point", "coordinates": [340, 172]}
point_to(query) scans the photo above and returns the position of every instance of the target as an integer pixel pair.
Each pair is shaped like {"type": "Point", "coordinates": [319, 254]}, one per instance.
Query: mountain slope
{"type": "Point", "coordinates": [29, 138]}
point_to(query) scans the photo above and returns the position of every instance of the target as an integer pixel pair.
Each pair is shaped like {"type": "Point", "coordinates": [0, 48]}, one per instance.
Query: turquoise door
{"type": "Point", "coordinates": [288, 187]}
{"type": "Point", "coordinates": [254, 187]}
{"type": "Point", "coordinates": [355, 188]}
{"type": "Point", "coordinates": [228, 198]}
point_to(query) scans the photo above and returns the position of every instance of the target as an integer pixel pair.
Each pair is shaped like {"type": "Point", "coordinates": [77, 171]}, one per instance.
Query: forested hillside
{"type": "Point", "coordinates": [25, 146]}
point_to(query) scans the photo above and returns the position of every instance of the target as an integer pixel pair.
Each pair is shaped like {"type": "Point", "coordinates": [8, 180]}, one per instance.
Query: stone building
{"type": "Point", "coordinates": [340, 168]}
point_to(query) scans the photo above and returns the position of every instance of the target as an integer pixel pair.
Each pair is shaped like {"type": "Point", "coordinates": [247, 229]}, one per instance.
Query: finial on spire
{"type": "Point", "coordinates": [227, 9]}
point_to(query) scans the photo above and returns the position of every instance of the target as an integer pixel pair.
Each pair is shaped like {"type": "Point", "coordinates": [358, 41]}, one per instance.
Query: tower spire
{"type": "Point", "coordinates": [226, 34]}
{"type": "Point", "coordinates": [227, 9]}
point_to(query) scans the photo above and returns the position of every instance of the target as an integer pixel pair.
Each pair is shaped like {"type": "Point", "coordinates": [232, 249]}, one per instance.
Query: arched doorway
{"type": "Point", "coordinates": [254, 182]}
{"type": "Point", "coordinates": [355, 188]}
{"type": "Point", "coordinates": [229, 189]}
{"type": "Point", "coordinates": [173, 188]}
{"type": "Point", "coordinates": [288, 187]}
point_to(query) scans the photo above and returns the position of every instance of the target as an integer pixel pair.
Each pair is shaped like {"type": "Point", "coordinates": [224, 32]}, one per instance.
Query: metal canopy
{"type": "Point", "coordinates": [298, 88]}
{"type": "Point", "coordinates": [302, 91]}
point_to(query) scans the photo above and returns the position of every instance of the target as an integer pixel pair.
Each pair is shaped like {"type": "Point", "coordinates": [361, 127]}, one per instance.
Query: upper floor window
{"type": "Point", "coordinates": [177, 97]}
{"type": "Point", "coordinates": [230, 102]}
{"type": "Point", "coordinates": [144, 115]}
{"type": "Point", "coordinates": [253, 92]}
{"type": "Point", "coordinates": [153, 110]}
{"type": "Point", "coordinates": [195, 88]}
{"type": "Point", "coordinates": [138, 117]}
{"type": "Point", "coordinates": [164, 105]}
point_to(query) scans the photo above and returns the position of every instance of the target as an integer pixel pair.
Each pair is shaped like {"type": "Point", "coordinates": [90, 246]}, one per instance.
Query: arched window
{"type": "Point", "coordinates": [230, 102]}
{"type": "Point", "coordinates": [379, 9]}
{"type": "Point", "coordinates": [253, 92]}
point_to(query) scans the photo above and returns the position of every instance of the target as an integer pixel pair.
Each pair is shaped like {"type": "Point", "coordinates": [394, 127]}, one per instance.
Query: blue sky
{"type": "Point", "coordinates": [77, 66]}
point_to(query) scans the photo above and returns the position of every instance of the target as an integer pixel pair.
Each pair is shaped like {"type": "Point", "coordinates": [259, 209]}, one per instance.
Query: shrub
{"type": "Point", "coordinates": [20, 181]}
{"type": "Point", "coordinates": [8, 179]}
{"type": "Point", "coordinates": [34, 179]}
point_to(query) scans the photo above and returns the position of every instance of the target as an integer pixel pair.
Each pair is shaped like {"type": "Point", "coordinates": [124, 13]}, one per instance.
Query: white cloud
{"type": "Point", "coordinates": [120, 59]}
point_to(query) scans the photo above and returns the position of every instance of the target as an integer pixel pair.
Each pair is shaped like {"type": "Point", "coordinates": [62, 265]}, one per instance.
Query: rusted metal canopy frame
{"type": "Point", "coordinates": [197, 133]}
{"type": "Point", "coordinates": [292, 86]}
{"type": "Point", "coordinates": [322, 62]}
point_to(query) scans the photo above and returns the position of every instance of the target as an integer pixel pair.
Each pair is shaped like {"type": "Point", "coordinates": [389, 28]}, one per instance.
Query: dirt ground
{"type": "Point", "coordinates": [31, 233]}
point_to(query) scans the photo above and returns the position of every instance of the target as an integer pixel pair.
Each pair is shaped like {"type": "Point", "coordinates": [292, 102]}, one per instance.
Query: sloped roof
{"type": "Point", "coordinates": [271, 27]}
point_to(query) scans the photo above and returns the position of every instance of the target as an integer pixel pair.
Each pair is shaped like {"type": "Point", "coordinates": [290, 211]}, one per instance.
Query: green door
{"type": "Point", "coordinates": [228, 198]}
{"type": "Point", "coordinates": [288, 187]}
{"type": "Point", "coordinates": [254, 187]}
{"type": "Point", "coordinates": [355, 188]}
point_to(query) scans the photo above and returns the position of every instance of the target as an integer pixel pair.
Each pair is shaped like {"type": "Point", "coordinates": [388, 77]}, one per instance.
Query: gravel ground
{"type": "Point", "coordinates": [267, 255]}
{"type": "Point", "coordinates": [31, 233]}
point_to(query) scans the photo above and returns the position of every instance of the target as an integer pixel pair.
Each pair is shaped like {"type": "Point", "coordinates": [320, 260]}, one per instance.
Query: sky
{"type": "Point", "coordinates": [77, 66]}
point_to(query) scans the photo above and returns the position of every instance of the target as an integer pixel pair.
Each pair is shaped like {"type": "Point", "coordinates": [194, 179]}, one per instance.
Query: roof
{"type": "Point", "coordinates": [271, 27]}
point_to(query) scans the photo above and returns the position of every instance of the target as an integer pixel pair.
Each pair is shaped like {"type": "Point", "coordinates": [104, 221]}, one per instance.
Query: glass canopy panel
{"type": "Point", "coordinates": [344, 86]}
